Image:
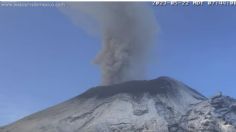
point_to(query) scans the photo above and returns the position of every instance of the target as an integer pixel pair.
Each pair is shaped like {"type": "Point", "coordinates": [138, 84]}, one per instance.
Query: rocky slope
{"type": "Point", "coordinates": [160, 105]}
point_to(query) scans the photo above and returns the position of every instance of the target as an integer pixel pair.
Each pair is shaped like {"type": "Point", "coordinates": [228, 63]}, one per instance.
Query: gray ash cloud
{"type": "Point", "coordinates": [127, 31]}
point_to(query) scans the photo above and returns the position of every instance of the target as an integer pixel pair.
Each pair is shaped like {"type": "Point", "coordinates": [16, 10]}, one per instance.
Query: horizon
{"type": "Point", "coordinates": [47, 59]}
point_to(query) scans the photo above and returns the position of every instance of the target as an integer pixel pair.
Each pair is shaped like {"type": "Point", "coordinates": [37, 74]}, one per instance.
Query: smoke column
{"type": "Point", "coordinates": [127, 31]}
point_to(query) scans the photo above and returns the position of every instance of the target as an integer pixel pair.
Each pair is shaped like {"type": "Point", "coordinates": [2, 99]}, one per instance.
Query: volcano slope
{"type": "Point", "coordinates": [160, 105]}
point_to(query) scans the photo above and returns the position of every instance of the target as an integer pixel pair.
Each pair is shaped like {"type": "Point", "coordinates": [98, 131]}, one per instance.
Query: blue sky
{"type": "Point", "coordinates": [45, 59]}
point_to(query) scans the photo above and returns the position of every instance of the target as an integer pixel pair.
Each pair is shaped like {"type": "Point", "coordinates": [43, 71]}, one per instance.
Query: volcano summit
{"type": "Point", "coordinates": [159, 105]}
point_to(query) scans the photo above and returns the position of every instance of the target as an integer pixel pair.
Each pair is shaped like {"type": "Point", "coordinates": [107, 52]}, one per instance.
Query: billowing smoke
{"type": "Point", "coordinates": [127, 31]}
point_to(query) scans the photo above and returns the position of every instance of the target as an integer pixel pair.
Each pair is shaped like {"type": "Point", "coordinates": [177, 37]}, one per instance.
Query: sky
{"type": "Point", "coordinates": [45, 59]}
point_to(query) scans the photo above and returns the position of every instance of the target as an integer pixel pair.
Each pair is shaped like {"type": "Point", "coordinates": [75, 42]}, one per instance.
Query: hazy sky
{"type": "Point", "coordinates": [45, 59]}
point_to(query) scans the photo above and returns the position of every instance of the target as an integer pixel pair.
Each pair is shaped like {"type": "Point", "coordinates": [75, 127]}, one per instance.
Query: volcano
{"type": "Point", "coordinates": [160, 105]}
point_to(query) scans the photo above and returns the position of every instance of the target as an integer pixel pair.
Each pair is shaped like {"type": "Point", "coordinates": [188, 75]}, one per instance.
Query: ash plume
{"type": "Point", "coordinates": [127, 31]}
